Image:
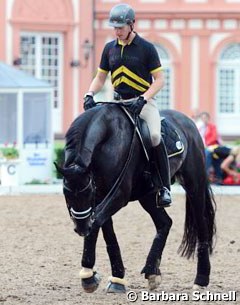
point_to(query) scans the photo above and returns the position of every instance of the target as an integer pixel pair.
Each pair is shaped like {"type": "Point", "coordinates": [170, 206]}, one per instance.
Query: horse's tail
{"type": "Point", "coordinates": [210, 217]}
{"type": "Point", "coordinates": [190, 236]}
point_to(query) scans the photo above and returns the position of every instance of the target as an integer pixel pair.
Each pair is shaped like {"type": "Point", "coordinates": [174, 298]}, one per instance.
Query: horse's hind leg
{"type": "Point", "coordinates": [205, 219]}
{"type": "Point", "coordinates": [116, 282]}
{"type": "Point", "coordinates": [199, 222]}
{"type": "Point", "coordinates": [90, 279]}
{"type": "Point", "coordinates": [163, 224]}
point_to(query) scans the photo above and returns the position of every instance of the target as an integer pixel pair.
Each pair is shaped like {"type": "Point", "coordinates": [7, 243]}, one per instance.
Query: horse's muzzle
{"type": "Point", "coordinates": [85, 228]}
{"type": "Point", "coordinates": [82, 228]}
{"type": "Point", "coordinates": [82, 232]}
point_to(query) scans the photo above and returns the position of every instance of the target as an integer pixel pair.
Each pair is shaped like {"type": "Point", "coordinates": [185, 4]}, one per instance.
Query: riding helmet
{"type": "Point", "coordinates": [121, 15]}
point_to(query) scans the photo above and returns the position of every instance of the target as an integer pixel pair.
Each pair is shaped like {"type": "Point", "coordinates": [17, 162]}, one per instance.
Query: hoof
{"type": "Point", "coordinates": [154, 281]}
{"type": "Point", "coordinates": [91, 284]}
{"type": "Point", "coordinates": [201, 281]}
{"type": "Point", "coordinates": [116, 285]}
{"type": "Point", "coordinates": [198, 287]}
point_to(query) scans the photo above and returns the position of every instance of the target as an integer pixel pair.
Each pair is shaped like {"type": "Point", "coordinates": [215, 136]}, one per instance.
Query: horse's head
{"type": "Point", "coordinates": [79, 191]}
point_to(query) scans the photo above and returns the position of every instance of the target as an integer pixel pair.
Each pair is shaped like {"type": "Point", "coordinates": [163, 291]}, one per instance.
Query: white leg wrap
{"type": "Point", "coordinates": [154, 281]}
{"type": "Point", "coordinates": [85, 273]}
{"type": "Point", "coordinates": [198, 288]}
{"type": "Point", "coordinates": [117, 280]}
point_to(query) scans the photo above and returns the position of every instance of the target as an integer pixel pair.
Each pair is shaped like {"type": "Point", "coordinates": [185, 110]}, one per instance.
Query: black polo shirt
{"type": "Point", "coordinates": [131, 65]}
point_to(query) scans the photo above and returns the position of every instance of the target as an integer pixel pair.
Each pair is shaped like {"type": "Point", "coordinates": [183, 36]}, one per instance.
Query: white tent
{"type": "Point", "coordinates": [26, 122]}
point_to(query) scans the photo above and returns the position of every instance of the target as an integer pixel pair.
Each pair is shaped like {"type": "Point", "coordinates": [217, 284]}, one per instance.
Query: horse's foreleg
{"type": "Point", "coordinates": [90, 278]}
{"type": "Point", "coordinates": [163, 224]}
{"type": "Point", "coordinates": [116, 281]}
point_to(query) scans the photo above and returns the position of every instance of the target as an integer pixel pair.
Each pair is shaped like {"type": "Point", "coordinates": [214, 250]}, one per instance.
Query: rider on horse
{"type": "Point", "coordinates": [134, 64]}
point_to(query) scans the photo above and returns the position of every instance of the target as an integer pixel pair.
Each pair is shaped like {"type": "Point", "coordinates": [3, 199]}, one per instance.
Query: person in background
{"type": "Point", "coordinates": [226, 164]}
{"type": "Point", "coordinates": [231, 167]}
{"type": "Point", "coordinates": [208, 130]}
{"type": "Point", "coordinates": [217, 154]}
{"type": "Point", "coordinates": [197, 119]}
{"type": "Point", "coordinates": [211, 140]}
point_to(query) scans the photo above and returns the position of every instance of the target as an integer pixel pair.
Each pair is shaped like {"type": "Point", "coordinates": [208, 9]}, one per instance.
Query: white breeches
{"type": "Point", "coordinates": [150, 114]}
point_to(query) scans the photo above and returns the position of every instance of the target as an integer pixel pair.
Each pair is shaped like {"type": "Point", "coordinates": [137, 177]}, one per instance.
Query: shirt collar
{"type": "Point", "coordinates": [135, 40]}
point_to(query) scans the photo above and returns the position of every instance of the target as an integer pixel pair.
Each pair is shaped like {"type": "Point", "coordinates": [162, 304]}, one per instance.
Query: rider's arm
{"type": "Point", "coordinates": [98, 82]}
{"type": "Point", "coordinates": [99, 79]}
{"type": "Point", "coordinates": [157, 85]}
{"type": "Point", "coordinates": [225, 166]}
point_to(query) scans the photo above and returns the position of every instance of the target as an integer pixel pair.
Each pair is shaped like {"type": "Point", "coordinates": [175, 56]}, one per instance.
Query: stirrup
{"type": "Point", "coordinates": [163, 198]}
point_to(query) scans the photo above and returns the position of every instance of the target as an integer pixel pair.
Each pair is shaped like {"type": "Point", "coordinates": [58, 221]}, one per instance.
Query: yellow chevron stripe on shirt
{"type": "Point", "coordinates": [116, 72]}
{"type": "Point", "coordinates": [134, 76]}
{"type": "Point", "coordinates": [130, 83]}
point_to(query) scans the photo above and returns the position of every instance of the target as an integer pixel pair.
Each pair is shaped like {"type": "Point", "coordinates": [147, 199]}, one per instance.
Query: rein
{"type": "Point", "coordinates": [125, 104]}
{"type": "Point", "coordinates": [90, 212]}
{"type": "Point", "coordinates": [119, 180]}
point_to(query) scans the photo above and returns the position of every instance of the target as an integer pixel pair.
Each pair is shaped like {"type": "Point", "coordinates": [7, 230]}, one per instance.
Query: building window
{"type": "Point", "coordinates": [8, 118]}
{"type": "Point", "coordinates": [228, 75]}
{"type": "Point", "coordinates": [36, 120]}
{"type": "Point", "coordinates": [164, 96]}
{"type": "Point", "coordinates": [41, 55]}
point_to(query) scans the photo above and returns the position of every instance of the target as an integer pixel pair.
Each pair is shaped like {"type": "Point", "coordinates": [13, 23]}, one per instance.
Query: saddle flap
{"type": "Point", "coordinates": [169, 134]}
{"type": "Point", "coordinates": [172, 140]}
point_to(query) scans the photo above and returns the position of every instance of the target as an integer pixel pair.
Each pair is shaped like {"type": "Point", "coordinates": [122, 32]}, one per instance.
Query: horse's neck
{"type": "Point", "coordinates": [93, 135]}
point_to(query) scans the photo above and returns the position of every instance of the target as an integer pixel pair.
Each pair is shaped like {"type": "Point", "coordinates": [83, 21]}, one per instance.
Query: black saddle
{"type": "Point", "coordinates": [170, 136]}
{"type": "Point", "coordinates": [172, 140]}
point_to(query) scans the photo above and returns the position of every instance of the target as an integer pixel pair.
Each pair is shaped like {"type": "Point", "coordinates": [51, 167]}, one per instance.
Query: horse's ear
{"type": "Point", "coordinates": [58, 168]}
{"type": "Point", "coordinates": [70, 172]}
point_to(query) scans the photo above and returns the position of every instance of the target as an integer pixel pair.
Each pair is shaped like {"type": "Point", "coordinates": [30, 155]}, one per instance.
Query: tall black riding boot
{"type": "Point", "coordinates": [161, 175]}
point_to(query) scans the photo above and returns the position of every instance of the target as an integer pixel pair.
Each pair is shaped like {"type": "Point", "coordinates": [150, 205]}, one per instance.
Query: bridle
{"type": "Point", "coordinates": [78, 191]}
{"type": "Point", "coordinates": [84, 214]}
{"type": "Point", "coordinates": [80, 215]}
{"type": "Point", "coordinates": [110, 195]}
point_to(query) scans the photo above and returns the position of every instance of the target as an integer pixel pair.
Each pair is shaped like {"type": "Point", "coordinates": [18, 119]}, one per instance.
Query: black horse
{"type": "Point", "coordinates": [105, 168]}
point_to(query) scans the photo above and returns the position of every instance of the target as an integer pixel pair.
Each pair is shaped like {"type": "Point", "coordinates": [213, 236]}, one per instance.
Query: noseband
{"type": "Point", "coordinates": [78, 191]}
{"type": "Point", "coordinates": [80, 215]}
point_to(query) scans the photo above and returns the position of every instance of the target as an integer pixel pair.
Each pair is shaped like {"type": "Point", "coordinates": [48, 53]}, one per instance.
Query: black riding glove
{"type": "Point", "coordinates": [88, 102]}
{"type": "Point", "coordinates": [137, 105]}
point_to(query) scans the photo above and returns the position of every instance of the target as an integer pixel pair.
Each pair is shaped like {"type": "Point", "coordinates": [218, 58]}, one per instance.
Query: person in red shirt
{"type": "Point", "coordinates": [208, 130]}
{"type": "Point", "coordinates": [210, 137]}
{"type": "Point", "coordinates": [231, 166]}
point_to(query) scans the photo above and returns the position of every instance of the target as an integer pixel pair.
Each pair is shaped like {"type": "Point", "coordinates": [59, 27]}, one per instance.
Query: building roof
{"type": "Point", "coordinates": [11, 77]}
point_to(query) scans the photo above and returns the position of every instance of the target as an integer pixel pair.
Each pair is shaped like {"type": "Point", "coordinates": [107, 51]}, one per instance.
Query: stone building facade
{"type": "Point", "coordinates": [198, 42]}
